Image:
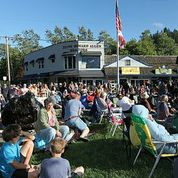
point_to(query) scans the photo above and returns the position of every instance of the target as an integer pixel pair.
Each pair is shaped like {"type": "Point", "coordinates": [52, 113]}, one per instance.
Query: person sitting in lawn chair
{"type": "Point", "coordinates": [101, 106]}
{"type": "Point", "coordinates": [72, 115]}
{"type": "Point", "coordinates": [56, 166]}
{"type": "Point", "coordinates": [157, 131]}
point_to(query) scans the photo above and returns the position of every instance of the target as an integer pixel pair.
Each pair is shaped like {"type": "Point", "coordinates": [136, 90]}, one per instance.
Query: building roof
{"type": "Point", "coordinates": [134, 63]}
{"type": "Point", "coordinates": [169, 62]}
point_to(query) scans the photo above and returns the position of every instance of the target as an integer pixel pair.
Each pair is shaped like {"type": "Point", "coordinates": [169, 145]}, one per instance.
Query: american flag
{"type": "Point", "coordinates": [121, 39]}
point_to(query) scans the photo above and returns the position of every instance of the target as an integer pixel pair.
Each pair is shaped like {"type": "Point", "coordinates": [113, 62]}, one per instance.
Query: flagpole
{"type": "Point", "coordinates": [117, 40]}
{"type": "Point", "coordinates": [118, 77]}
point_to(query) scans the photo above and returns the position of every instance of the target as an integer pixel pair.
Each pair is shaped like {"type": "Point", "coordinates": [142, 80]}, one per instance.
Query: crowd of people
{"type": "Point", "coordinates": [154, 101]}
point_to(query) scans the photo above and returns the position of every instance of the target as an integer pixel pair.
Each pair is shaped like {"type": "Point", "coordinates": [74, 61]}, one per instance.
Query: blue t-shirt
{"type": "Point", "coordinates": [55, 167]}
{"type": "Point", "coordinates": [72, 108]}
{"type": "Point", "coordinates": [8, 153]}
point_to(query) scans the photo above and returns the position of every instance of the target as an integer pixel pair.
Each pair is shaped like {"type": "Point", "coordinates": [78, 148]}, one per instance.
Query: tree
{"type": "Point", "coordinates": [85, 34]}
{"type": "Point", "coordinates": [60, 35]}
{"type": "Point", "coordinates": [132, 47]}
{"type": "Point", "coordinates": [16, 62]}
{"type": "Point", "coordinates": [175, 36]}
{"type": "Point", "coordinates": [109, 43]}
{"type": "Point", "coordinates": [56, 36]}
{"type": "Point", "coordinates": [68, 35]}
{"type": "Point", "coordinates": [27, 42]}
{"type": "Point", "coordinates": [146, 45]}
{"type": "Point", "coordinates": [90, 35]}
{"type": "Point", "coordinates": [82, 33]}
{"type": "Point", "coordinates": [164, 45]}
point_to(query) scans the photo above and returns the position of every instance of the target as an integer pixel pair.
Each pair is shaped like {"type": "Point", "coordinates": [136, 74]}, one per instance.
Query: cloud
{"type": "Point", "coordinates": [158, 25]}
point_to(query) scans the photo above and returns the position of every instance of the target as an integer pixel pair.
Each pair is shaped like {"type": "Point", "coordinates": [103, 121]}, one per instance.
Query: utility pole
{"type": "Point", "coordinates": [8, 61]}
{"type": "Point", "coordinates": [7, 55]}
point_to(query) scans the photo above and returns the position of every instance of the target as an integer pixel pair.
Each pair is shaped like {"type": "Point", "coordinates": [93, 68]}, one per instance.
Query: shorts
{"type": "Point", "coordinates": [20, 173]}
{"type": "Point", "coordinates": [77, 123]}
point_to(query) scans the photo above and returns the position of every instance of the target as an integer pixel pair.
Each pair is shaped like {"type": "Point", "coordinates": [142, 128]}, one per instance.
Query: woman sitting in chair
{"type": "Point", "coordinates": [157, 131]}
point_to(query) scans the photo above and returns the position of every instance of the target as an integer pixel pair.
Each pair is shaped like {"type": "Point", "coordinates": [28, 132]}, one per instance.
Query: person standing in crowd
{"type": "Point", "coordinates": [2, 102]}
{"type": "Point", "coordinates": [47, 126]}
{"type": "Point", "coordinates": [15, 161]}
{"type": "Point", "coordinates": [5, 91]}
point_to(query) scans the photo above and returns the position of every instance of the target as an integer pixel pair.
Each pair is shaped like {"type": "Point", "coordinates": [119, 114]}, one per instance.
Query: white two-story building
{"type": "Point", "coordinates": [85, 61]}
{"type": "Point", "coordinates": [75, 60]}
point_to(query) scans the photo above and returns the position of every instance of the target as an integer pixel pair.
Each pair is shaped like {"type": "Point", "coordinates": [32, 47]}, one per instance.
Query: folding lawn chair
{"type": "Point", "coordinates": [126, 136]}
{"type": "Point", "coordinates": [116, 121]}
{"type": "Point", "coordinates": [140, 135]}
{"type": "Point", "coordinates": [102, 112]}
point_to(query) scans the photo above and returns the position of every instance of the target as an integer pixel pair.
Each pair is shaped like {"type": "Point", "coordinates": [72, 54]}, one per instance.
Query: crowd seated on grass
{"type": "Point", "coordinates": [71, 98]}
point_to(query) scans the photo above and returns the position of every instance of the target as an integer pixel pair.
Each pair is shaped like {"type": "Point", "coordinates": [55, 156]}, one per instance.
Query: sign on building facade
{"type": "Point", "coordinates": [130, 70]}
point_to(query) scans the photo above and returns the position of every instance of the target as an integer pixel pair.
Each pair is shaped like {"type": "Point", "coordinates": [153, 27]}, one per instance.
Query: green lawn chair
{"type": "Point", "coordinates": [145, 141]}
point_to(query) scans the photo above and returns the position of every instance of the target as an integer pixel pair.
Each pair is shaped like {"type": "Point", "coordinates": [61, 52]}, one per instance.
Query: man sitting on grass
{"type": "Point", "coordinates": [14, 161]}
{"type": "Point", "coordinates": [56, 166]}
{"type": "Point", "coordinates": [72, 116]}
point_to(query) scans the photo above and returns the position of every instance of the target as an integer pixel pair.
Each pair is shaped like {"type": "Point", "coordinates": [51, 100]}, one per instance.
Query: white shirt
{"type": "Point", "coordinates": [126, 103]}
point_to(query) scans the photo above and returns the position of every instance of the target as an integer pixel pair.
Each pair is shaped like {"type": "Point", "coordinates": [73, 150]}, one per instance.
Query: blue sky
{"type": "Point", "coordinates": [98, 15]}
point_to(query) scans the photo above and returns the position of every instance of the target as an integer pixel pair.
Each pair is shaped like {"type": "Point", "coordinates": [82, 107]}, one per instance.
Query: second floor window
{"type": "Point", "coordinates": [127, 63]}
{"type": "Point", "coordinates": [32, 63]}
{"type": "Point", "coordinates": [69, 62]}
{"type": "Point", "coordinates": [26, 66]}
{"type": "Point", "coordinates": [41, 64]}
{"type": "Point", "coordinates": [52, 58]}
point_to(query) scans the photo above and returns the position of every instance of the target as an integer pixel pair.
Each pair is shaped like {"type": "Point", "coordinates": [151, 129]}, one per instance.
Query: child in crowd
{"type": "Point", "coordinates": [14, 161]}
{"type": "Point", "coordinates": [56, 166]}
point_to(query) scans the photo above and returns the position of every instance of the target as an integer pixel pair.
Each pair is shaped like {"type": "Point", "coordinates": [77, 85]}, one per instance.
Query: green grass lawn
{"type": "Point", "coordinates": [105, 156]}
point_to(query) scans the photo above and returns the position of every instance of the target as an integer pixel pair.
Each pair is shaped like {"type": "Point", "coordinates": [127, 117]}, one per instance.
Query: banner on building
{"type": "Point", "coordinates": [130, 70]}
{"type": "Point", "coordinates": [163, 71]}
